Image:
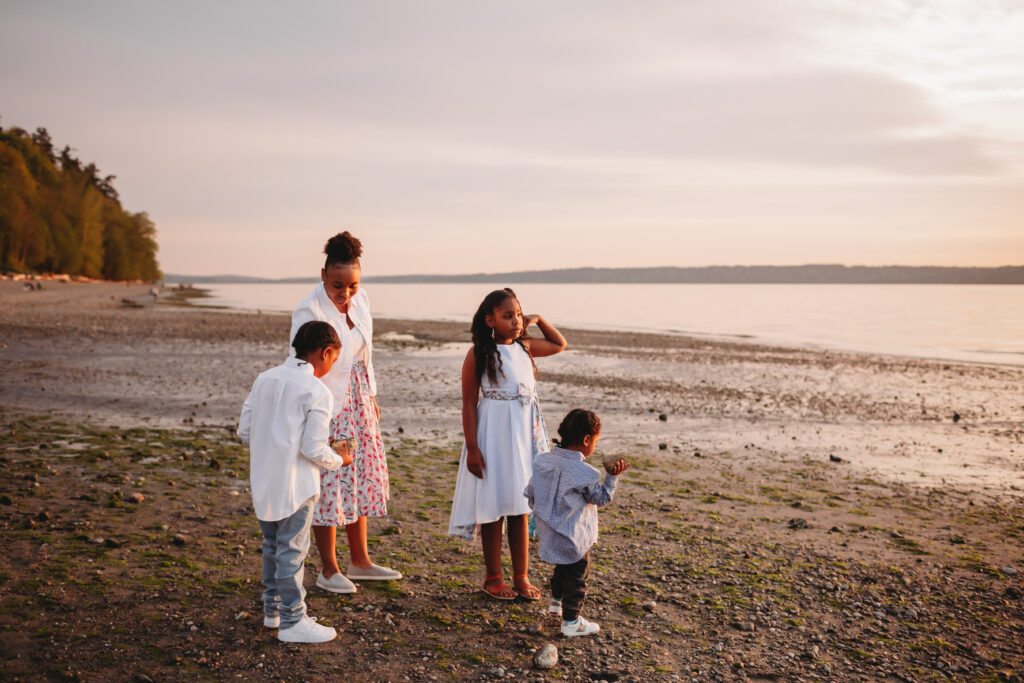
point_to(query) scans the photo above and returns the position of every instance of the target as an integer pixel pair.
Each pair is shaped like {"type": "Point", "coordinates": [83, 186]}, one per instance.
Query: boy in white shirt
{"type": "Point", "coordinates": [285, 422]}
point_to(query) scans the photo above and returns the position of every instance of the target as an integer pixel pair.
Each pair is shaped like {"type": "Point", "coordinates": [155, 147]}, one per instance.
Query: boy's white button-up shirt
{"type": "Point", "coordinates": [285, 422]}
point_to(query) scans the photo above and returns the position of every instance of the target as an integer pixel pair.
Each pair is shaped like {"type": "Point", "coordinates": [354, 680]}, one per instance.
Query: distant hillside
{"type": "Point", "coordinates": [809, 274]}
{"type": "Point", "coordinates": [220, 279]}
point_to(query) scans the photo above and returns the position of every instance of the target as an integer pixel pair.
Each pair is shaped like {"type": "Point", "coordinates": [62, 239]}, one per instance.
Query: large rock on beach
{"type": "Point", "coordinates": [546, 657]}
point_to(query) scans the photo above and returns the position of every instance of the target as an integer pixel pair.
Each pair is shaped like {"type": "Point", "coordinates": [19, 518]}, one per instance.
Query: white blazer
{"type": "Point", "coordinates": [318, 306]}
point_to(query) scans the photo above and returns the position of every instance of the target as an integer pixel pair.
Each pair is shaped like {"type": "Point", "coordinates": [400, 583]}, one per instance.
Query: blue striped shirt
{"type": "Point", "coordinates": [564, 493]}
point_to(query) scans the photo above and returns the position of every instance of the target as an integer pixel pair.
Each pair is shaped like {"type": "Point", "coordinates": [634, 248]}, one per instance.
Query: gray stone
{"type": "Point", "coordinates": [546, 657]}
{"type": "Point", "coordinates": [1009, 571]}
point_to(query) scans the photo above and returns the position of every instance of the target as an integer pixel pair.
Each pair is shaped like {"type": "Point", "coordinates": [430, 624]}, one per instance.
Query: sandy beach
{"type": "Point", "coordinates": [792, 514]}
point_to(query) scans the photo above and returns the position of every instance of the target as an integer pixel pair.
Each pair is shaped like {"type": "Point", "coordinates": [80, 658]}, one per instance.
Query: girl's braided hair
{"type": "Point", "coordinates": [576, 425]}
{"type": "Point", "coordinates": [484, 349]}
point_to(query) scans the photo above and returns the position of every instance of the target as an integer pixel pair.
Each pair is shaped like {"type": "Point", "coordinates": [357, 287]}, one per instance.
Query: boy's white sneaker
{"type": "Point", "coordinates": [580, 627]}
{"type": "Point", "coordinates": [338, 583]}
{"type": "Point", "coordinates": [307, 631]}
{"type": "Point", "coordinates": [555, 608]}
{"type": "Point", "coordinates": [272, 622]}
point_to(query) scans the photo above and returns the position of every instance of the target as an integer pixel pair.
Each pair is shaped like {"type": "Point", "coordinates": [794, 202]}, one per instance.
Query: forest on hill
{"type": "Point", "coordinates": [59, 215]}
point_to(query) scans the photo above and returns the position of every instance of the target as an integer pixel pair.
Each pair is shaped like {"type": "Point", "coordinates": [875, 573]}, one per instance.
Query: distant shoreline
{"type": "Point", "coordinates": [806, 274]}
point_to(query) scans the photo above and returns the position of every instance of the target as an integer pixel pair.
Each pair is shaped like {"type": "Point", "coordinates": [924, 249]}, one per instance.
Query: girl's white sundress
{"type": "Point", "coordinates": [510, 431]}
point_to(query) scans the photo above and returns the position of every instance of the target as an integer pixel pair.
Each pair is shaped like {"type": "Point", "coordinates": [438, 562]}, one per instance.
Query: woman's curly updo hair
{"type": "Point", "coordinates": [484, 349]}
{"type": "Point", "coordinates": [343, 249]}
{"type": "Point", "coordinates": [576, 425]}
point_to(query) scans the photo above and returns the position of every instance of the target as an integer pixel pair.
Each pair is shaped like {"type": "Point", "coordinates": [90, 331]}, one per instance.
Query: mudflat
{"type": "Point", "coordinates": [790, 514]}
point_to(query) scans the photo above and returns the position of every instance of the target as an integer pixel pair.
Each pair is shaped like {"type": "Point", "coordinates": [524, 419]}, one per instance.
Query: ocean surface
{"type": "Point", "coordinates": [979, 323]}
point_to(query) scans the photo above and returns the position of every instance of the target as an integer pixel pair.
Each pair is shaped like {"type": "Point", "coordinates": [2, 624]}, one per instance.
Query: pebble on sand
{"type": "Point", "coordinates": [546, 657]}
{"type": "Point", "coordinates": [136, 498]}
{"type": "Point", "coordinates": [180, 539]}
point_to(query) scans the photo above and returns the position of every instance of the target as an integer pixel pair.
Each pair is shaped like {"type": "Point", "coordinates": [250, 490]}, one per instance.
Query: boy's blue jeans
{"type": "Point", "coordinates": [285, 546]}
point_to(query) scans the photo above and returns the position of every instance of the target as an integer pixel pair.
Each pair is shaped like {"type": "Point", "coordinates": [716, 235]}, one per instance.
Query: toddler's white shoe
{"type": "Point", "coordinates": [373, 573]}
{"type": "Point", "coordinates": [272, 622]}
{"type": "Point", "coordinates": [307, 631]}
{"type": "Point", "coordinates": [338, 583]}
{"type": "Point", "coordinates": [580, 627]}
{"type": "Point", "coordinates": [555, 608]}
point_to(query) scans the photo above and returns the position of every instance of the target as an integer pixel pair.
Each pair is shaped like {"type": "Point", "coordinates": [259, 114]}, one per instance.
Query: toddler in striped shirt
{"type": "Point", "coordinates": [565, 493]}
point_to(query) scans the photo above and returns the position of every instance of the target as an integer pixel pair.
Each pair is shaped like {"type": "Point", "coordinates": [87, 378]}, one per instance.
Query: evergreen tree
{"type": "Point", "coordinates": [60, 215]}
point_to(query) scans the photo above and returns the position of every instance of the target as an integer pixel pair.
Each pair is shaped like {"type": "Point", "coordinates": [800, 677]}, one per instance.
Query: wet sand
{"type": "Point", "coordinates": [75, 350]}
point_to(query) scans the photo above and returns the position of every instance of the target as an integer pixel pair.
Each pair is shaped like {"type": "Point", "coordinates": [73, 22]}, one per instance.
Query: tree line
{"type": "Point", "coordinates": [59, 215]}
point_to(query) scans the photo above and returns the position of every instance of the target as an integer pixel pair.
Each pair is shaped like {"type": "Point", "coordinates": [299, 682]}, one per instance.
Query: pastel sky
{"type": "Point", "coordinates": [468, 136]}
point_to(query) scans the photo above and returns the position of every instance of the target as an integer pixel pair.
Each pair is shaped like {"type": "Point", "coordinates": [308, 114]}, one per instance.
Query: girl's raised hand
{"type": "Point", "coordinates": [553, 341]}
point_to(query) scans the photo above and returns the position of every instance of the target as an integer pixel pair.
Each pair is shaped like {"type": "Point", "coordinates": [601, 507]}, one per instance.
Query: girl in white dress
{"type": "Point", "coordinates": [504, 432]}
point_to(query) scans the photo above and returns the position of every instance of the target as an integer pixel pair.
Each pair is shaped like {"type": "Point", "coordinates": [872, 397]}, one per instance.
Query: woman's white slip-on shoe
{"type": "Point", "coordinates": [338, 583]}
{"type": "Point", "coordinates": [372, 573]}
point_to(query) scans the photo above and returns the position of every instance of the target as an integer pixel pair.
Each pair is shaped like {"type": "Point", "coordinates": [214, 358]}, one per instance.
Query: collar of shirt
{"type": "Point", "coordinates": [299, 364]}
{"type": "Point", "coordinates": [567, 453]}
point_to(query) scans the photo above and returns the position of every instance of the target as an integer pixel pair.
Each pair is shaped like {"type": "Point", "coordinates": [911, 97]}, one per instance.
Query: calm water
{"type": "Point", "coordinates": [973, 323]}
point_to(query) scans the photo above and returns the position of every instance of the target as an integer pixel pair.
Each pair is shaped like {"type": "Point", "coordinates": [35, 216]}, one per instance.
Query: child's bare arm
{"type": "Point", "coordinates": [552, 343]}
{"type": "Point", "coordinates": [470, 394]}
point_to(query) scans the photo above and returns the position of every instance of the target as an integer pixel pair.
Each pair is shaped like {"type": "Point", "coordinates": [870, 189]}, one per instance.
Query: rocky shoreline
{"type": "Point", "coordinates": [791, 515]}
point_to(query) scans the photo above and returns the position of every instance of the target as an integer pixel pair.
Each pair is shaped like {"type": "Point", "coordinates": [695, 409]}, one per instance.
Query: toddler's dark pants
{"type": "Point", "coordinates": [569, 584]}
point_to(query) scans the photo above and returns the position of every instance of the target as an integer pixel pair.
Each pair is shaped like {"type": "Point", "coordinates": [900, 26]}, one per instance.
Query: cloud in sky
{"type": "Point", "coordinates": [455, 136]}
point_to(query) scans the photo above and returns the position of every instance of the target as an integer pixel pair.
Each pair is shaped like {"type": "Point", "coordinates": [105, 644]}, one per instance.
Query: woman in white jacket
{"type": "Point", "coordinates": [360, 490]}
